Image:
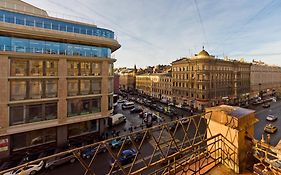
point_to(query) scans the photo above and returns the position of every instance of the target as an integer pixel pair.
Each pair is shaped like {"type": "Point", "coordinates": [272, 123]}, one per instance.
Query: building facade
{"type": "Point", "coordinates": [204, 80]}
{"type": "Point", "coordinates": [127, 80]}
{"type": "Point", "coordinates": [155, 85]}
{"type": "Point", "coordinates": [56, 78]}
{"type": "Point", "coordinates": [265, 79]}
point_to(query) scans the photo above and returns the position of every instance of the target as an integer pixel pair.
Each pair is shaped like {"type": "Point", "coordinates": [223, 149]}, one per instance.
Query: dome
{"type": "Point", "coordinates": [203, 53]}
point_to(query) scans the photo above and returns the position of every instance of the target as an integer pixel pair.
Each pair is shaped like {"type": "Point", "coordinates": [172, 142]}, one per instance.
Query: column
{"type": "Point", "coordinates": [4, 94]}
{"type": "Point", "coordinates": [104, 92]}
{"type": "Point", "coordinates": [62, 90]}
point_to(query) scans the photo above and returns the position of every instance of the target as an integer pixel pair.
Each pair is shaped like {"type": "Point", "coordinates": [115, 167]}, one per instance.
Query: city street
{"type": "Point", "coordinates": [261, 113]}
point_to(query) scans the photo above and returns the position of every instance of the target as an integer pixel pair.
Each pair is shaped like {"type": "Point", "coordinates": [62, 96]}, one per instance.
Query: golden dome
{"type": "Point", "coordinates": [203, 53]}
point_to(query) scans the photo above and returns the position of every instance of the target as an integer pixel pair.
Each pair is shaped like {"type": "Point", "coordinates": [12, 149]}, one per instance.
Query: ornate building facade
{"type": "Point", "coordinates": [204, 80]}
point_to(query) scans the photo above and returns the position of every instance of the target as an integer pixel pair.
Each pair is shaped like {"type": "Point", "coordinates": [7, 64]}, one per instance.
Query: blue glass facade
{"type": "Point", "coordinates": [34, 21]}
{"type": "Point", "coordinates": [47, 47]}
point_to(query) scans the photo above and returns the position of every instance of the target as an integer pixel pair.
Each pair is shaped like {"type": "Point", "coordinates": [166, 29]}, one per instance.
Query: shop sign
{"type": "Point", "coordinates": [4, 145]}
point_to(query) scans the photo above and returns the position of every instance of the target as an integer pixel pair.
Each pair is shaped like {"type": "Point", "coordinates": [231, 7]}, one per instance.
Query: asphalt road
{"type": "Point", "coordinates": [261, 113]}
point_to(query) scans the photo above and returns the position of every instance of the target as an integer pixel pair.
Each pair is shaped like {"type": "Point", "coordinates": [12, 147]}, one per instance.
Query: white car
{"type": "Point", "coordinates": [271, 118]}
{"type": "Point", "coordinates": [27, 170]}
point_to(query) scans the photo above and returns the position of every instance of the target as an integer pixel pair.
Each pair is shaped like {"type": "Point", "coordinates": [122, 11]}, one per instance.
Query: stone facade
{"type": "Point", "coordinates": [155, 85]}
{"type": "Point", "coordinates": [264, 78]}
{"type": "Point", "coordinates": [204, 80]}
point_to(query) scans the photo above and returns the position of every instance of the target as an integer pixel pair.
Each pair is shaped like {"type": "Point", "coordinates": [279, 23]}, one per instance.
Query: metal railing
{"type": "Point", "coordinates": [184, 146]}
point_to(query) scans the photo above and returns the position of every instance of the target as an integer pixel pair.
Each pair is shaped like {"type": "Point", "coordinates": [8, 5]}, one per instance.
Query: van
{"type": "Point", "coordinates": [116, 119]}
{"type": "Point", "coordinates": [128, 105]}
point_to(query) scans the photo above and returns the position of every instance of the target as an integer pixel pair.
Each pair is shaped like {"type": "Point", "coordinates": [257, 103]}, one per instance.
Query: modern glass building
{"type": "Point", "coordinates": [56, 78]}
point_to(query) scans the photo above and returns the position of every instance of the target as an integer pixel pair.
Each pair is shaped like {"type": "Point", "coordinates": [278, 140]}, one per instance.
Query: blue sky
{"type": "Point", "coordinates": [159, 31]}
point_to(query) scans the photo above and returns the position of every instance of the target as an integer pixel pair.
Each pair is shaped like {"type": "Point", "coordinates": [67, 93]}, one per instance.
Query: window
{"type": "Point", "coordinates": [16, 115]}
{"type": "Point", "coordinates": [51, 111]}
{"type": "Point", "coordinates": [36, 68]}
{"type": "Point", "coordinates": [37, 137]}
{"type": "Point", "coordinates": [85, 69]}
{"type": "Point", "coordinates": [51, 88]}
{"type": "Point", "coordinates": [110, 69]}
{"type": "Point", "coordinates": [21, 114]}
{"type": "Point", "coordinates": [110, 85]}
{"type": "Point", "coordinates": [96, 69]}
{"type": "Point", "coordinates": [72, 87]}
{"type": "Point", "coordinates": [51, 68]}
{"type": "Point", "coordinates": [96, 86]}
{"type": "Point", "coordinates": [34, 113]}
{"type": "Point", "coordinates": [85, 87]}
{"type": "Point", "coordinates": [78, 129]}
{"type": "Point", "coordinates": [72, 68]}
{"type": "Point", "coordinates": [83, 106]}
{"type": "Point", "coordinates": [18, 89]}
{"type": "Point", "coordinates": [110, 102]}
{"type": "Point", "coordinates": [35, 89]}
{"type": "Point", "coordinates": [18, 67]}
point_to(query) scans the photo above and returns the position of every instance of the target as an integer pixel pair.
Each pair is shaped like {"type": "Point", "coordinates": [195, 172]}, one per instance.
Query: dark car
{"type": "Point", "coordinates": [89, 152]}
{"type": "Point", "coordinates": [116, 143]}
{"type": "Point", "coordinates": [160, 108]}
{"type": "Point", "coordinates": [127, 156]}
{"type": "Point", "coordinates": [266, 105]}
{"type": "Point", "coordinates": [139, 136]}
{"type": "Point", "coordinates": [59, 160]}
{"type": "Point", "coordinates": [153, 106]}
{"type": "Point", "coordinates": [136, 110]}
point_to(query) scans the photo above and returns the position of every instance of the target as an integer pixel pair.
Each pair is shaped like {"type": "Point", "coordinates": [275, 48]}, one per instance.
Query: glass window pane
{"type": "Point", "coordinates": [19, 141]}
{"type": "Point", "coordinates": [96, 105]}
{"type": "Point", "coordinates": [96, 86]}
{"type": "Point", "coordinates": [36, 68]}
{"type": "Point", "coordinates": [72, 87]}
{"type": "Point", "coordinates": [85, 69]}
{"type": "Point", "coordinates": [16, 115]}
{"type": "Point", "coordinates": [85, 107]}
{"type": "Point", "coordinates": [51, 88]}
{"type": "Point", "coordinates": [51, 68]}
{"type": "Point", "coordinates": [51, 111]}
{"type": "Point", "coordinates": [34, 113]}
{"type": "Point", "coordinates": [18, 67]}
{"type": "Point", "coordinates": [35, 89]}
{"type": "Point", "coordinates": [72, 68]}
{"type": "Point", "coordinates": [73, 107]}
{"type": "Point", "coordinates": [18, 90]}
{"type": "Point", "coordinates": [96, 69]}
{"type": "Point", "coordinates": [85, 87]}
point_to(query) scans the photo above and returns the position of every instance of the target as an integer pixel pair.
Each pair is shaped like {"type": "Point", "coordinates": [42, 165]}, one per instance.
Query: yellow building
{"type": "Point", "coordinates": [157, 85]}
{"type": "Point", "coordinates": [204, 80]}
{"type": "Point", "coordinates": [55, 78]}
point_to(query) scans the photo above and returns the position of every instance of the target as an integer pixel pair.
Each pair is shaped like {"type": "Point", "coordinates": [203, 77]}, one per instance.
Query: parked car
{"type": "Point", "coordinates": [27, 170]}
{"type": "Point", "coordinates": [127, 156]}
{"type": "Point", "coordinates": [60, 160]}
{"type": "Point", "coordinates": [139, 136]}
{"type": "Point", "coordinates": [160, 108]}
{"type": "Point", "coordinates": [271, 129]}
{"type": "Point", "coordinates": [266, 105]}
{"type": "Point", "coordinates": [128, 105]}
{"type": "Point", "coordinates": [121, 101]}
{"type": "Point", "coordinates": [116, 143]}
{"type": "Point", "coordinates": [136, 110]}
{"type": "Point", "coordinates": [116, 119]}
{"type": "Point", "coordinates": [271, 118]}
{"type": "Point", "coordinates": [90, 151]}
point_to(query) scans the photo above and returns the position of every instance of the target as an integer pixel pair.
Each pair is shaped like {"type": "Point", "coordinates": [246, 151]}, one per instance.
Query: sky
{"type": "Point", "coordinates": [155, 32]}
